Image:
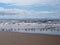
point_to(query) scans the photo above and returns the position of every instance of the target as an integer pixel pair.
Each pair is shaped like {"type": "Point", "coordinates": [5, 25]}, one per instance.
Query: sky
{"type": "Point", "coordinates": [17, 9]}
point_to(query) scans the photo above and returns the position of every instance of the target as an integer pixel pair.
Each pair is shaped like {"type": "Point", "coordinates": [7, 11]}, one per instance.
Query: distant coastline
{"type": "Point", "coordinates": [33, 19]}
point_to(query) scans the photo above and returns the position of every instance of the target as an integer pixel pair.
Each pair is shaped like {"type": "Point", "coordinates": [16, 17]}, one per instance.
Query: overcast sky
{"type": "Point", "coordinates": [16, 9]}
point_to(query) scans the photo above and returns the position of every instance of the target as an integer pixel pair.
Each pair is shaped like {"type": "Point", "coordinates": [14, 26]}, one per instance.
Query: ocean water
{"type": "Point", "coordinates": [30, 28]}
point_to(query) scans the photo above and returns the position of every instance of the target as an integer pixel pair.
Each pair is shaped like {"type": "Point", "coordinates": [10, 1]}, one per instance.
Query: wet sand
{"type": "Point", "coordinates": [14, 38]}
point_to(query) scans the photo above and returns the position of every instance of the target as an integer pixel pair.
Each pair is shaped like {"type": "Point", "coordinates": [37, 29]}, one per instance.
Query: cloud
{"type": "Point", "coordinates": [31, 2]}
{"type": "Point", "coordinates": [30, 8]}
{"type": "Point", "coordinates": [8, 11]}
{"type": "Point", "coordinates": [20, 13]}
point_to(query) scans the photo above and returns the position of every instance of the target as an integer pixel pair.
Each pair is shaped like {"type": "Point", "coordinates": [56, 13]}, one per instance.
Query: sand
{"type": "Point", "coordinates": [15, 38]}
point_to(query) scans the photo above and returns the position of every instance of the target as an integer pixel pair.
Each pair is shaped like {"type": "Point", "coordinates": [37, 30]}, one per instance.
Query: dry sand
{"type": "Point", "coordinates": [14, 38]}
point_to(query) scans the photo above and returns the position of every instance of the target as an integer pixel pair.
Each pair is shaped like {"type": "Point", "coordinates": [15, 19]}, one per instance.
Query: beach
{"type": "Point", "coordinates": [17, 38]}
